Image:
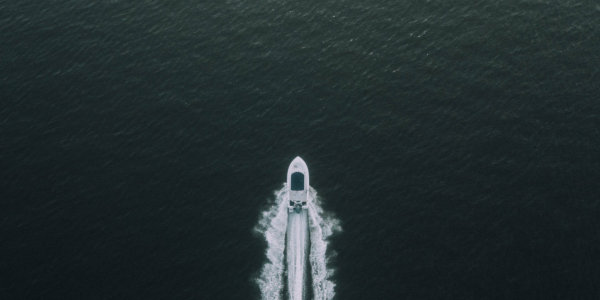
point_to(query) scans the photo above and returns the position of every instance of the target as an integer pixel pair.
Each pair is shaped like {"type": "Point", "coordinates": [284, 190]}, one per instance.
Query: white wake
{"type": "Point", "coordinates": [273, 225]}
{"type": "Point", "coordinates": [297, 251]}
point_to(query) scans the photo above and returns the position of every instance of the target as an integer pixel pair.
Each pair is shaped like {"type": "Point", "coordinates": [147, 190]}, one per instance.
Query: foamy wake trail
{"type": "Point", "coordinates": [273, 225]}
{"type": "Point", "coordinates": [322, 225]}
{"type": "Point", "coordinates": [297, 251]}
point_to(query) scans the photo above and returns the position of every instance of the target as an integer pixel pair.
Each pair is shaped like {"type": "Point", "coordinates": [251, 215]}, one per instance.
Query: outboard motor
{"type": "Point", "coordinates": [298, 207]}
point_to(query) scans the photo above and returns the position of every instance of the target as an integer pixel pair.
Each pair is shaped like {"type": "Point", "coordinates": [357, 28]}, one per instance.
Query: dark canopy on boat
{"type": "Point", "coordinates": [297, 181]}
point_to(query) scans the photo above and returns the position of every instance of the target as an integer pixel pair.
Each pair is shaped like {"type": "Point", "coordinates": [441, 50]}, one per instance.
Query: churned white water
{"type": "Point", "coordinates": [315, 225]}
{"type": "Point", "coordinates": [297, 253]}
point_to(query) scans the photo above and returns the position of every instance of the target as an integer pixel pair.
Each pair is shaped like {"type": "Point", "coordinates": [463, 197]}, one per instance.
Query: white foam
{"type": "Point", "coordinates": [297, 251]}
{"type": "Point", "coordinates": [322, 226]}
{"type": "Point", "coordinates": [273, 225]}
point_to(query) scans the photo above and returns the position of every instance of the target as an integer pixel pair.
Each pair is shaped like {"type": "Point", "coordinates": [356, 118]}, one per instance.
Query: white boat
{"type": "Point", "coordinates": [297, 185]}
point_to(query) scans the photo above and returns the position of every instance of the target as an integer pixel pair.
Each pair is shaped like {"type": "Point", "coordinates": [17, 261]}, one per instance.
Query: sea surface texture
{"type": "Point", "coordinates": [454, 145]}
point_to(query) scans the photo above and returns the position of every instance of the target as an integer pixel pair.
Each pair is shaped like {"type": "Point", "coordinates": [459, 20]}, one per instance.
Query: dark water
{"type": "Point", "coordinates": [457, 141]}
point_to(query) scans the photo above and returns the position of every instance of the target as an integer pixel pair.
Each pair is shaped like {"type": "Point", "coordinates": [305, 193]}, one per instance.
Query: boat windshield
{"type": "Point", "coordinates": [297, 181]}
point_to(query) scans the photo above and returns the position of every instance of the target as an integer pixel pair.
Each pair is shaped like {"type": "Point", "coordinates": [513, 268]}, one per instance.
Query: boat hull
{"type": "Point", "coordinates": [297, 185]}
